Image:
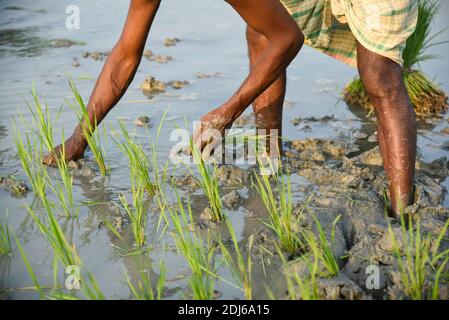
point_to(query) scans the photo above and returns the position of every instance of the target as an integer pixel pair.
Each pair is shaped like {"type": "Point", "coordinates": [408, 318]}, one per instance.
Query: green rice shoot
{"type": "Point", "coordinates": [89, 131]}
{"type": "Point", "coordinates": [279, 204]}
{"type": "Point", "coordinates": [420, 257]}
{"type": "Point", "coordinates": [240, 267]}
{"type": "Point", "coordinates": [5, 240]}
{"type": "Point", "coordinates": [138, 161]}
{"type": "Point", "coordinates": [198, 255]}
{"type": "Point", "coordinates": [208, 179]}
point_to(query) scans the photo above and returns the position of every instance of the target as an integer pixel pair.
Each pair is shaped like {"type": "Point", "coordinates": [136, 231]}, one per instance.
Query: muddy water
{"type": "Point", "coordinates": [212, 40]}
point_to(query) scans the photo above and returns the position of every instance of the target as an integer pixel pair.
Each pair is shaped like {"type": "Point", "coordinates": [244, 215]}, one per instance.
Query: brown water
{"type": "Point", "coordinates": [212, 41]}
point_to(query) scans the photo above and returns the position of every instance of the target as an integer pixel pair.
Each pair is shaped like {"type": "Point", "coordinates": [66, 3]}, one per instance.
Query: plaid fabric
{"type": "Point", "coordinates": [334, 26]}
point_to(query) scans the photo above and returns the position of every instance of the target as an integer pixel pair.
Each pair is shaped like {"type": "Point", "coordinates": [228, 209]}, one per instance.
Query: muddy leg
{"type": "Point", "coordinates": [268, 106]}
{"type": "Point", "coordinates": [396, 124]}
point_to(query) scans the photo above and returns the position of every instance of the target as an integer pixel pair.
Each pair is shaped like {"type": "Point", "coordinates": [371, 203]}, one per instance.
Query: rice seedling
{"type": "Point", "coordinates": [138, 161]}
{"type": "Point", "coordinates": [64, 254]}
{"type": "Point", "coordinates": [159, 172]}
{"type": "Point", "coordinates": [29, 153]}
{"type": "Point", "coordinates": [425, 96]}
{"type": "Point", "coordinates": [137, 213]}
{"type": "Point", "coordinates": [64, 189]}
{"type": "Point", "coordinates": [283, 221]}
{"type": "Point", "coordinates": [5, 241]}
{"type": "Point", "coordinates": [209, 183]}
{"type": "Point", "coordinates": [159, 178]}
{"type": "Point", "coordinates": [241, 269]}
{"type": "Point", "coordinates": [42, 123]}
{"type": "Point", "coordinates": [198, 255]}
{"type": "Point", "coordinates": [29, 267]}
{"type": "Point", "coordinates": [420, 259]}
{"type": "Point", "coordinates": [319, 262]}
{"type": "Point", "coordinates": [31, 161]}
{"type": "Point", "coordinates": [89, 131]}
{"type": "Point", "coordinates": [304, 286]}
{"type": "Point", "coordinates": [321, 248]}
{"type": "Point", "coordinates": [144, 290]}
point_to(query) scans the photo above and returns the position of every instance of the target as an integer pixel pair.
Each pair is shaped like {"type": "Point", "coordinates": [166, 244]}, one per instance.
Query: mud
{"type": "Point", "coordinates": [230, 175]}
{"type": "Point", "coordinates": [318, 150]}
{"type": "Point", "coordinates": [232, 200]}
{"type": "Point", "coordinates": [16, 188]}
{"type": "Point", "coordinates": [170, 42]}
{"type": "Point", "coordinates": [95, 55]}
{"type": "Point", "coordinates": [178, 84]}
{"type": "Point", "coordinates": [153, 86]}
{"type": "Point", "coordinates": [186, 182]}
{"type": "Point", "coordinates": [143, 121]}
{"type": "Point", "coordinates": [340, 288]}
{"type": "Point", "coordinates": [204, 75]}
{"type": "Point", "coordinates": [81, 169]}
{"type": "Point", "coordinates": [75, 62]}
{"type": "Point", "coordinates": [330, 177]}
{"type": "Point", "coordinates": [352, 188]}
{"type": "Point", "coordinates": [157, 57]}
{"type": "Point", "coordinates": [64, 43]}
{"type": "Point", "coordinates": [323, 119]}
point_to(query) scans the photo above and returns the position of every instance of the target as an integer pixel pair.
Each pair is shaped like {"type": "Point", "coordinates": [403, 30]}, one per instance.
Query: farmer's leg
{"type": "Point", "coordinates": [396, 124]}
{"type": "Point", "coordinates": [268, 106]}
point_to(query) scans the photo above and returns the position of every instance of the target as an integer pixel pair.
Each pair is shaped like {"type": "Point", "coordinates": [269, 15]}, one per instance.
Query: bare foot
{"type": "Point", "coordinates": [74, 150]}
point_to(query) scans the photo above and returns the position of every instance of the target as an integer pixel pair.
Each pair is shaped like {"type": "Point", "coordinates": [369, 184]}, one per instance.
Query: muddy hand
{"type": "Point", "coordinates": [74, 148]}
{"type": "Point", "coordinates": [211, 130]}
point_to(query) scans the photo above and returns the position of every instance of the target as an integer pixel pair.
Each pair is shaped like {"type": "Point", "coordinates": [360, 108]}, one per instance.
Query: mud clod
{"type": "Point", "coordinates": [75, 63]}
{"type": "Point", "coordinates": [81, 169]}
{"type": "Point", "coordinates": [178, 84]}
{"type": "Point", "coordinates": [95, 55]}
{"type": "Point", "coordinates": [232, 199]}
{"type": "Point", "coordinates": [322, 149]}
{"type": "Point", "coordinates": [16, 188]}
{"type": "Point", "coordinates": [170, 42]}
{"type": "Point", "coordinates": [232, 175]}
{"type": "Point", "coordinates": [360, 135]}
{"type": "Point", "coordinates": [143, 121]}
{"type": "Point", "coordinates": [204, 75]}
{"type": "Point", "coordinates": [157, 57]}
{"type": "Point", "coordinates": [186, 181]}
{"type": "Point", "coordinates": [323, 119]}
{"type": "Point", "coordinates": [151, 85]}
{"type": "Point", "coordinates": [373, 137]}
{"type": "Point", "coordinates": [64, 43]}
{"type": "Point", "coordinates": [340, 288]}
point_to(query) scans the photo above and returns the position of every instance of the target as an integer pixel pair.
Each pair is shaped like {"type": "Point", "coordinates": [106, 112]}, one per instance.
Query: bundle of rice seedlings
{"type": "Point", "coordinates": [425, 96]}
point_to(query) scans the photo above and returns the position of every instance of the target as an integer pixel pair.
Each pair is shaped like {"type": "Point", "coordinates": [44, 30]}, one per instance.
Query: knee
{"type": "Point", "coordinates": [384, 84]}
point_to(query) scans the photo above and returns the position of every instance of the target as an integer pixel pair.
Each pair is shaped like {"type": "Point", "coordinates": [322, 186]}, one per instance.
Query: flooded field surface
{"type": "Point", "coordinates": [335, 169]}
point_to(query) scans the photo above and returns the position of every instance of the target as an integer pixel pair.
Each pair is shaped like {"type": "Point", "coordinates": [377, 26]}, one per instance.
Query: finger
{"type": "Point", "coordinates": [214, 145]}
{"type": "Point", "coordinates": [199, 129]}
